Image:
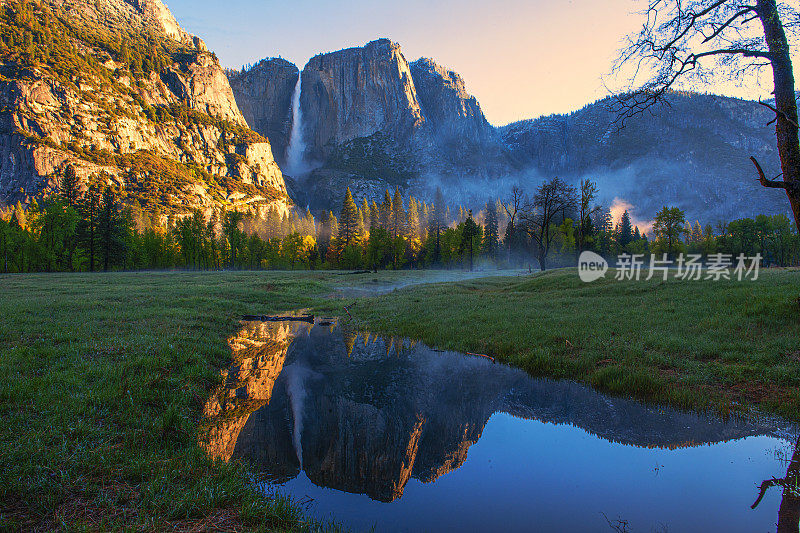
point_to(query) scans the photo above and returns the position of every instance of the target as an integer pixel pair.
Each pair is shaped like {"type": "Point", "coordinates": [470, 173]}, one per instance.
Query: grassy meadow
{"type": "Point", "coordinates": [103, 377]}
{"type": "Point", "coordinates": [728, 346]}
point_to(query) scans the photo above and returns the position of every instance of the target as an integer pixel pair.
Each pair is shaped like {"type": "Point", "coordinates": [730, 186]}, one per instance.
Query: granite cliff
{"type": "Point", "coordinates": [372, 120]}
{"type": "Point", "coordinates": [118, 90]}
{"type": "Point", "coordinates": [264, 95]}
{"type": "Point", "coordinates": [355, 93]}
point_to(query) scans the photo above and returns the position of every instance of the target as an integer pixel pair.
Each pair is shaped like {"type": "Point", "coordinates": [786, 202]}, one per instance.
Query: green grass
{"type": "Point", "coordinates": [102, 383]}
{"type": "Point", "coordinates": [103, 377]}
{"type": "Point", "coordinates": [727, 346]}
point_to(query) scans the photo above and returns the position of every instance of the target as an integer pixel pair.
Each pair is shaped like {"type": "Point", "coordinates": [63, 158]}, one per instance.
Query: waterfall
{"type": "Point", "coordinates": [295, 164]}
{"type": "Point", "coordinates": [295, 389]}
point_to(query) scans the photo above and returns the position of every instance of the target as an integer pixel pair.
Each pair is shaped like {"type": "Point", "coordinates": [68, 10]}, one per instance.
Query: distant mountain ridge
{"type": "Point", "coordinates": [120, 91]}
{"type": "Point", "coordinates": [373, 120]}
{"type": "Point", "coordinates": [692, 152]}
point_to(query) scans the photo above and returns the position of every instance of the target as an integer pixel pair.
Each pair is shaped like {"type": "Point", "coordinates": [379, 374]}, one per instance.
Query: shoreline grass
{"type": "Point", "coordinates": [725, 346]}
{"type": "Point", "coordinates": [103, 377]}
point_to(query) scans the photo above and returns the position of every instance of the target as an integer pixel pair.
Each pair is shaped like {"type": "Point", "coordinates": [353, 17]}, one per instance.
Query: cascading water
{"type": "Point", "coordinates": [295, 163]}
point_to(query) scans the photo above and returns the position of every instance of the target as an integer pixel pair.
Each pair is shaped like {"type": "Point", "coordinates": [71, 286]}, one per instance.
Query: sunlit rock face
{"type": "Point", "coordinates": [264, 95]}
{"type": "Point", "coordinates": [102, 122]}
{"type": "Point", "coordinates": [355, 93]}
{"type": "Point", "coordinates": [368, 414]}
{"type": "Point", "coordinates": [120, 15]}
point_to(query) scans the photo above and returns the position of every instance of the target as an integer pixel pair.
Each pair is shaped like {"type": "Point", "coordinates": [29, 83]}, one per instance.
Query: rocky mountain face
{"type": "Point", "coordinates": [371, 120]}
{"type": "Point", "coordinates": [355, 93]}
{"type": "Point", "coordinates": [264, 95]}
{"type": "Point", "coordinates": [123, 16]}
{"type": "Point", "coordinates": [693, 153]}
{"type": "Point", "coordinates": [447, 106]}
{"type": "Point", "coordinates": [118, 90]}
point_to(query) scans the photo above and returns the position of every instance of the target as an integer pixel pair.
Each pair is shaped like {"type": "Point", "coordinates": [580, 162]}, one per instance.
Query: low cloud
{"type": "Point", "coordinates": [620, 205]}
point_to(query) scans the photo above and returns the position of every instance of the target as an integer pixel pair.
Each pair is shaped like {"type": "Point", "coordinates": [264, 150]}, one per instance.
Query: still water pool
{"type": "Point", "coordinates": [390, 435]}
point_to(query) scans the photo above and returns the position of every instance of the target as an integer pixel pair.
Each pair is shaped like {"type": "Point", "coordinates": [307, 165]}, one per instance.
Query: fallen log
{"type": "Point", "coordinates": [267, 318]}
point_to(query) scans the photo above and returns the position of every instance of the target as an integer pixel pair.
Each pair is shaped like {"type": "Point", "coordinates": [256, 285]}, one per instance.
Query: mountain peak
{"type": "Point", "coordinates": [128, 99]}
{"type": "Point", "coordinates": [357, 92]}
{"type": "Point", "coordinates": [133, 15]}
{"type": "Point", "coordinates": [159, 14]}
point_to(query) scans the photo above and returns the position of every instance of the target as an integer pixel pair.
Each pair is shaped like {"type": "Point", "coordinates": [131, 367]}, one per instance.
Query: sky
{"type": "Point", "coordinates": [520, 58]}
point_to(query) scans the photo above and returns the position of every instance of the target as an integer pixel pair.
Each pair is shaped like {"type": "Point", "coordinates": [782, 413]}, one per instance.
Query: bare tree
{"type": "Point", "coordinates": [694, 39]}
{"type": "Point", "coordinates": [550, 205]}
{"type": "Point", "coordinates": [588, 191]}
{"type": "Point", "coordinates": [512, 206]}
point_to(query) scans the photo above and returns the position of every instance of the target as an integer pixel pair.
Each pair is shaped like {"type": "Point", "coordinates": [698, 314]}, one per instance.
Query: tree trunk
{"type": "Point", "coordinates": [789, 511]}
{"type": "Point", "coordinates": [786, 125]}
{"type": "Point", "coordinates": [91, 244]}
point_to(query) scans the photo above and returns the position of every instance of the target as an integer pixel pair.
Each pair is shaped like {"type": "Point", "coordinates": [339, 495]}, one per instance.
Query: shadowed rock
{"type": "Point", "coordinates": [264, 95]}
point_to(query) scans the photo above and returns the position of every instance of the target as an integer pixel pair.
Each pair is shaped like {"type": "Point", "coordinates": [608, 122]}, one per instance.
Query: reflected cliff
{"type": "Point", "coordinates": [364, 414]}
{"type": "Point", "coordinates": [259, 353]}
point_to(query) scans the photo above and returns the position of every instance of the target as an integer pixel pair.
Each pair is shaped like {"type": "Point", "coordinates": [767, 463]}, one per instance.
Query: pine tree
{"type": "Point", "coordinates": [88, 233]}
{"type": "Point", "coordinates": [70, 190]}
{"type": "Point", "coordinates": [308, 223]}
{"type": "Point", "coordinates": [348, 221]}
{"type": "Point", "coordinates": [114, 227]}
{"type": "Point", "coordinates": [625, 232]}
{"type": "Point", "coordinates": [374, 216]}
{"type": "Point", "coordinates": [361, 230]}
{"type": "Point", "coordinates": [468, 233]}
{"type": "Point", "coordinates": [398, 214]}
{"type": "Point", "coordinates": [697, 233]}
{"type": "Point", "coordinates": [437, 224]}
{"type": "Point", "coordinates": [412, 223]}
{"type": "Point", "coordinates": [211, 238]}
{"type": "Point", "coordinates": [366, 214]}
{"type": "Point", "coordinates": [235, 236]}
{"type": "Point", "coordinates": [386, 212]}
{"type": "Point", "coordinates": [491, 236]}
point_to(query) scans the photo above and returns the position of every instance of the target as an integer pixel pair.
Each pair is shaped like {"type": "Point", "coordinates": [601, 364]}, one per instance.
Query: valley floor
{"type": "Point", "coordinates": [103, 377]}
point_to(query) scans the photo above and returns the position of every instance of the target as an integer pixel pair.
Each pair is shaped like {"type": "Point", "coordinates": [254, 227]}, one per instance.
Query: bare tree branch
{"type": "Point", "coordinates": [772, 184]}
{"type": "Point", "coordinates": [778, 112]}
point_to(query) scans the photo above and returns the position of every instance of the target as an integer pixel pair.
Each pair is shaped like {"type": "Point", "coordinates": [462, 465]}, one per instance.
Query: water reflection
{"type": "Point", "coordinates": [789, 511]}
{"type": "Point", "coordinates": [366, 415]}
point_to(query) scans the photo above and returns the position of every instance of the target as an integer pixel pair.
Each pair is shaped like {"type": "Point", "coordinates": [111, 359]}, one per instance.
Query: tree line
{"type": "Point", "coordinates": [559, 221]}
{"type": "Point", "coordinates": [89, 229]}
